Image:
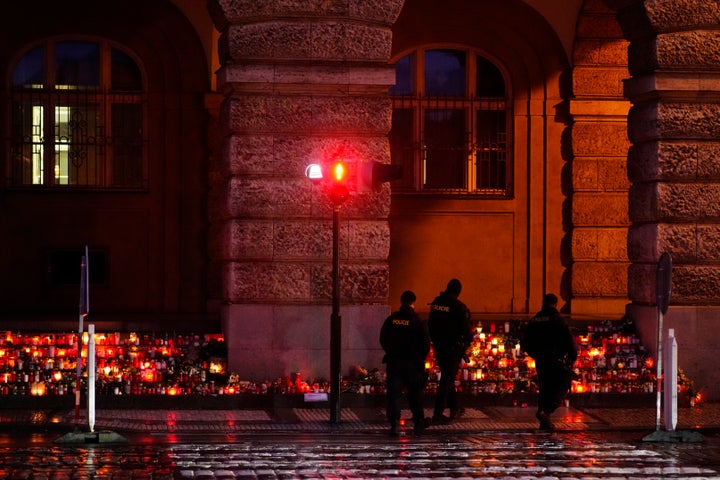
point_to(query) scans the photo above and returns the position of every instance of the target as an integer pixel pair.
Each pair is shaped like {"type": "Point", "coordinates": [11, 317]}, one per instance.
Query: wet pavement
{"type": "Point", "coordinates": [489, 442]}
{"type": "Point", "coordinates": [492, 455]}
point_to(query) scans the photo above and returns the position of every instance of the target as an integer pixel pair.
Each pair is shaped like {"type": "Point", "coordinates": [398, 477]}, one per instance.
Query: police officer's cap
{"type": "Point", "coordinates": [408, 296]}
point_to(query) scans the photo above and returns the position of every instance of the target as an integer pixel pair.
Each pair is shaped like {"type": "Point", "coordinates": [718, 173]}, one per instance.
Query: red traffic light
{"type": "Point", "coordinates": [335, 182]}
{"type": "Point", "coordinates": [338, 190]}
{"type": "Point", "coordinates": [339, 171]}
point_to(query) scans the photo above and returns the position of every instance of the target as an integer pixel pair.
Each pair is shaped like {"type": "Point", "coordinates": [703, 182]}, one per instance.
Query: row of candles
{"type": "Point", "coordinates": [608, 362]}
{"type": "Point", "coordinates": [126, 364]}
{"type": "Point", "coordinates": [132, 364]}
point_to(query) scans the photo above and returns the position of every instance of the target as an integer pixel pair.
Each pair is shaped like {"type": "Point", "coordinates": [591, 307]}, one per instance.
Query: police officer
{"type": "Point", "coordinates": [548, 340]}
{"type": "Point", "coordinates": [405, 339]}
{"type": "Point", "coordinates": [451, 334]}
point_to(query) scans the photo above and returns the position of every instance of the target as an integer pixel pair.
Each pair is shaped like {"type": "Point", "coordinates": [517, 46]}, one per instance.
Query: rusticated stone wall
{"type": "Point", "coordinates": [674, 127]}
{"type": "Point", "coordinates": [304, 81]}
{"type": "Point", "coordinates": [599, 147]}
{"type": "Point", "coordinates": [675, 199]}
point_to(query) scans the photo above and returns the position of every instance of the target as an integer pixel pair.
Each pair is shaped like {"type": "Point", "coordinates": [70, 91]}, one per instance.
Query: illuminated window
{"type": "Point", "coordinates": [450, 124]}
{"type": "Point", "coordinates": [77, 117]}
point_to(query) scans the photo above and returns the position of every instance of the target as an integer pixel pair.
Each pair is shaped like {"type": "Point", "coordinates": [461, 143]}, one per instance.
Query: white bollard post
{"type": "Point", "coordinates": [91, 377]}
{"type": "Point", "coordinates": [671, 393]}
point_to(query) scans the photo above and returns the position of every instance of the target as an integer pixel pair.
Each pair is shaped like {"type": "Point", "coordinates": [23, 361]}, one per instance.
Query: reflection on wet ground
{"type": "Point", "coordinates": [598, 455]}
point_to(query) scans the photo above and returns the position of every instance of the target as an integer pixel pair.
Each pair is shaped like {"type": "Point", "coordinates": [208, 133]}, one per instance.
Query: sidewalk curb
{"type": "Point", "coordinates": [353, 420]}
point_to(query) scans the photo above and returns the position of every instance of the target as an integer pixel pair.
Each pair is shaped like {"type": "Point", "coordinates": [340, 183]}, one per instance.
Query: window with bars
{"type": "Point", "coordinates": [450, 124]}
{"type": "Point", "coordinates": [77, 117]}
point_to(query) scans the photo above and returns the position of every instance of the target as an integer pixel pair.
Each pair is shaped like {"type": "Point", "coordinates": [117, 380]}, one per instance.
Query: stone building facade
{"type": "Point", "coordinates": [612, 109]}
{"type": "Point", "coordinates": [303, 82]}
{"type": "Point", "coordinates": [673, 86]}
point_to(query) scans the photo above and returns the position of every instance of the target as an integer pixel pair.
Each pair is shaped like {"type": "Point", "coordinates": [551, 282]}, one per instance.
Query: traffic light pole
{"type": "Point", "coordinates": [335, 322]}
{"type": "Point", "coordinates": [338, 193]}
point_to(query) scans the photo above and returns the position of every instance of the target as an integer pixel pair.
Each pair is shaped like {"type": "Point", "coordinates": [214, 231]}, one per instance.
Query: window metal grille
{"type": "Point", "coordinates": [452, 145]}
{"type": "Point", "coordinates": [73, 128]}
{"type": "Point", "coordinates": [451, 124]}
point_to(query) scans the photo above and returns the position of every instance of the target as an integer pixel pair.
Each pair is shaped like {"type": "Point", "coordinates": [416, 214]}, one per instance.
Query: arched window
{"type": "Point", "coordinates": [451, 124]}
{"type": "Point", "coordinates": [77, 117]}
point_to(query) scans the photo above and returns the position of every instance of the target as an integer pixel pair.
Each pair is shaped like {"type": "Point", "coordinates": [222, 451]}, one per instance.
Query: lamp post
{"type": "Point", "coordinates": [338, 194]}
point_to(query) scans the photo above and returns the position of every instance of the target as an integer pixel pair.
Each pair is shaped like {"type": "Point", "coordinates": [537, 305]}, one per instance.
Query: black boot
{"type": "Point", "coordinates": [545, 423]}
{"type": "Point", "coordinates": [420, 425]}
{"type": "Point", "coordinates": [440, 419]}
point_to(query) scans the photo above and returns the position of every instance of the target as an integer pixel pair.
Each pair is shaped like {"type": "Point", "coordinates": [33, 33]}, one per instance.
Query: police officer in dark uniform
{"type": "Point", "coordinates": [548, 340]}
{"type": "Point", "coordinates": [404, 337]}
{"type": "Point", "coordinates": [451, 334]}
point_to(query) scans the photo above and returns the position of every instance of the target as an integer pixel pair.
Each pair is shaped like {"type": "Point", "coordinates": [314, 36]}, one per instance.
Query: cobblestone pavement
{"type": "Point", "coordinates": [489, 442]}
{"type": "Point", "coordinates": [498, 455]}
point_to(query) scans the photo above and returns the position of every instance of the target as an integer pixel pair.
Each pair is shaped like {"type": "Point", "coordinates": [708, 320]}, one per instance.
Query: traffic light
{"type": "Point", "coordinates": [338, 183]}
{"type": "Point", "coordinates": [373, 174]}
{"type": "Point", "coordinates": [339, 172]}
{"type": "Point", "coordinates": [334, 181]}
{"type": "Point", "coordinates": [361, 176]}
